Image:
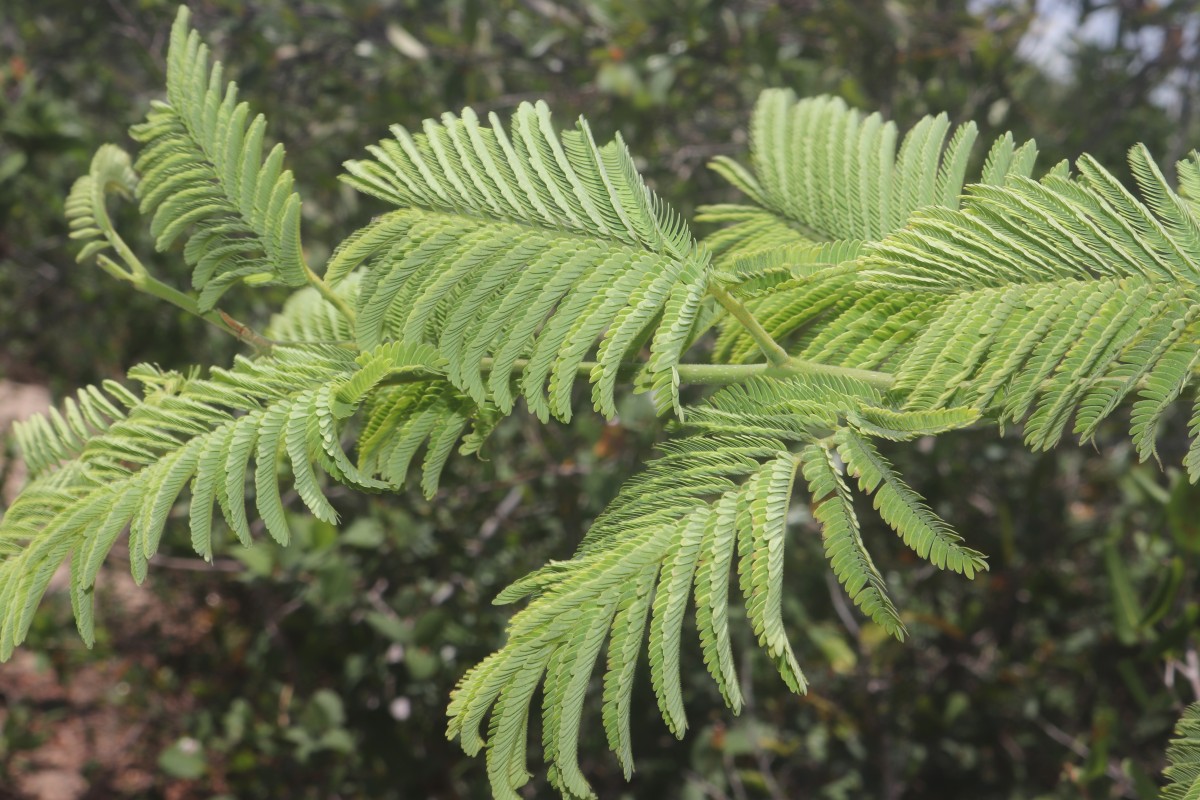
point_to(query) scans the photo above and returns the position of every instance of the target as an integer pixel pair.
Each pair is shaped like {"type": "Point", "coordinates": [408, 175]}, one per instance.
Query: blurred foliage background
{"type": "Point", "coordinates": [322, 671]}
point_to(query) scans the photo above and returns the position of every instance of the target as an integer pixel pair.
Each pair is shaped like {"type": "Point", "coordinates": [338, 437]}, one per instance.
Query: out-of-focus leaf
{"type": "Point", "coordinates": [184, 759]}
{"type": "Point", "coordinates": [1125, 609]}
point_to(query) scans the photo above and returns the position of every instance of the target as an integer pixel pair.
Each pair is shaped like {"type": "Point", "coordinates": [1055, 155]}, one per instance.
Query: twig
{"type": "Point", "coordinates": [709, 788]}
{"type": "Point", "coordinates": [504, 510]}
{"type": "Point", "coordinates": [841, 608]}
{"type": "Point", "coordinates": [771, 348]}
{"type": "Point", "coordinates": [1121, 781]}
{"type": "Point", "coordinates": [760, 755]}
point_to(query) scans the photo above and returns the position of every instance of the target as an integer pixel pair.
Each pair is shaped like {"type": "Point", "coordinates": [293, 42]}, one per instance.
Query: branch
{"type": "Point", "coordinates": [771, 348]}
{"type": "Point", "coordinates": [339, 302]}
{"type": "Point", "coordinates": [135, 272]}
{"type": "Point", "coordinates": [778, 358]}
{"type": "Point", "coordinates": [693, 374]}
{"type": "Point", "coordinates": [143, 281]}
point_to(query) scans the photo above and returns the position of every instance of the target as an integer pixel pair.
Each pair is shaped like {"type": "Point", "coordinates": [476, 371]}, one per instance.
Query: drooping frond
{"type": "Point", "coordinates": [1183, 758]}
{"type": "Point", "coordinates": [132, 473]}
{"type": "Point", "coordinates": [203, 171]}
{"type": "Point", "coordinates": [848, 556]}
{"type": "Point", "coordinates": [526, 246]}
{"type": "Point", "coordinates": [1061, 299]}
{"type": "Point", "coordinates": [719, 496]}
{"type": "Point", "coordinates": [128, 467]}
{"type": "Point", "coordinates": [902, 508]}
{"type": "Point", "coordinates": [821, 171]}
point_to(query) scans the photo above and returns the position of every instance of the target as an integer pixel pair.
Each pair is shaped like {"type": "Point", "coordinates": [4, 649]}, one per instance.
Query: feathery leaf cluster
{"type": "Point", "coordinates": [719, 496]}
{"type": "Point", "coordinates": [514, 254]}
{"type": "Point", "coordinates": [101, 469]}
{"type": "Point", "coordinates": [821, 171]}
{"type": "Point", "coordinates": [1063, 298]}
{"type": "Point", "coordinates": [523, 245]}
{"type": "Point", "coordinates": [202, 171]}
{"type": "Point", "coordinates": [825, 181]}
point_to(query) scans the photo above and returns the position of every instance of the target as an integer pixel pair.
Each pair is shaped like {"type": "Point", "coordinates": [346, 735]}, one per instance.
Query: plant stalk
{"type": "Point", "coordinates": [771, 348]}
{"type": "Point", "coordinates": [135, 272]}
{"type": "Point", "coordinates": [143, 281]}
{"type": "Point", "coordinates": [326, 291]}
{"type": "Point", "coordinates": [691, 374]}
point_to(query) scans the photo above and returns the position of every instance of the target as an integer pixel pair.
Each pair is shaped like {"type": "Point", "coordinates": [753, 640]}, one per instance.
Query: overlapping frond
{"type": "Point", "coordinates": [825, 180]}
{"type": "Point", "coordinates": [127, 467]}
{"type": "Point", "coordinates": [763, 272]}
{"type": "Point", "coordinates": [203, 172]}
{"type": "Point", "coordinates": [1063, 298]}
{"type": "Point", "coordinates": [132, 473]}
{"type": "Point", "coordinates": [844, 548]}
{"type": "Point", "coordinates": [902, 508]}
{"type": "Point", "coordinates": [821, 171]}
{"type": "Point", "coordinates": [522, 246]}
{"type": "Point", "coordinates": [719, 496]}
{"type": "Point", "coordinates": [517, 254]}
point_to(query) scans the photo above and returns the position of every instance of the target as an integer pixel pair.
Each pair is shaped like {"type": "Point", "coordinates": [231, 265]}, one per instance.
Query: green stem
{"type": "Point", "coordinates": [692, 374]}
{"type": "Point", "coordinates": [329, 294]}
{"type": "Point", "coordinates": [880, 380]}
{"type": "Point", "coordinates": [135, 272]}
{"type": "Point", "coordinates": [143, 281]}
{"type": "Point", "coordinates": [782, 364]}
{"type": "Point", "coordinates": [771, 348]}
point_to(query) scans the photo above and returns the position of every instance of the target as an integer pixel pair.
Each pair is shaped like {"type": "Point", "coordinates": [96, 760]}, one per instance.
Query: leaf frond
{"type": "Point", "coordinates": [1062, 299]}
{"type": "Point", "coordinates": [113, 460]}
{"type": "Point", "coordinates": [111, 172]}
{"type": "Point", "coordinates": [717, 500]}
{"type": "Point", "coordinates": [203, 170]}
{"type": "Point", "coordinates": [524, 245]}
{"type": "Point", "coordinates": [821, 171]}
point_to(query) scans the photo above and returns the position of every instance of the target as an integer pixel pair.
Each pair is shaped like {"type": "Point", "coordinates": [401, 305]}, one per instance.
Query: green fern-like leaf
{"type": "Point", "coordinates": [719, 496]}
{"type": "Point", "coordinates": [101, 469]}
{"type": "Point", "coordinates": [202, 170]}
{"type": "Point", "coordinates": [523, 247]}
{"type": "Point", "coordinates": [824, 172]}
{"type": "Point", "coordinates": [45, 441]}
{"type": "Point", "coordinates": [1062, 298]}
{"type": "Point", "coordinates": [903, 510]}
{"type": "Point", "coordinates": [110, 172]}
{"type": "Point", "coordinates": [844, 547]}
{"type": "Point", "coordinates": [517, 259]}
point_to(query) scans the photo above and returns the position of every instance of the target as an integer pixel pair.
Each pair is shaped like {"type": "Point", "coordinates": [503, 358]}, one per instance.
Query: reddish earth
{"type": "Point", "coordinates": [75, 725]}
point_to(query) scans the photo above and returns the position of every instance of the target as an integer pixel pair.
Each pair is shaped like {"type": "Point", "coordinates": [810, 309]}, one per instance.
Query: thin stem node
{"type": "Point", "coordinates": [771, 348]}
